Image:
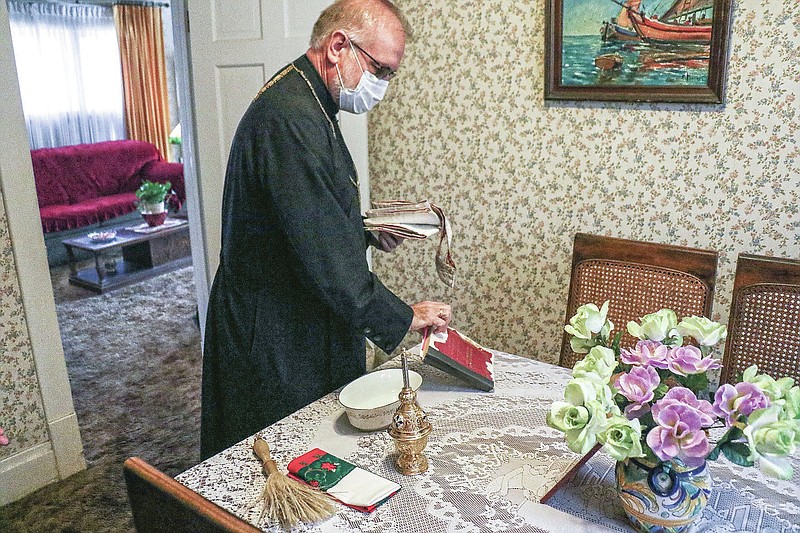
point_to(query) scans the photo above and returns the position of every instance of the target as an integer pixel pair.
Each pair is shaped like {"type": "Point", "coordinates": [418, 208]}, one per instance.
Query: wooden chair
{"type": "Point", "coordinates": [637, 278]}
{"type": "Point", "coordinates": [764, 324]}
{"type": "Point", "coordinates": [161, 504]}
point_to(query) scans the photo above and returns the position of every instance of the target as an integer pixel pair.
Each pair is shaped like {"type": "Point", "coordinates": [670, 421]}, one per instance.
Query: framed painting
{"type": "Point", "coordinates": [637, 50]}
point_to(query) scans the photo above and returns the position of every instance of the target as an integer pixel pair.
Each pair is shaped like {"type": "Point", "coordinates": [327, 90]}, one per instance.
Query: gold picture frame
{"type": "Point", "coordinates": [616, 50]}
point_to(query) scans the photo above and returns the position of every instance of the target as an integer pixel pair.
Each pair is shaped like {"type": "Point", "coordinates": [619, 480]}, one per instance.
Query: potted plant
{"type": "Point", "coordinates": [152, 198]}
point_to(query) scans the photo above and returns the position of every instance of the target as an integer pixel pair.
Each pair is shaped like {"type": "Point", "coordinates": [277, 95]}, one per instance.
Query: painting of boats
{"type": "Point", "coordinates": [637, 50]}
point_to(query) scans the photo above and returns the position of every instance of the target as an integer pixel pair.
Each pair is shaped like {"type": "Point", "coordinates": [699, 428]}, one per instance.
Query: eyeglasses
{"type": "Point", "coordinates": [382, 72]}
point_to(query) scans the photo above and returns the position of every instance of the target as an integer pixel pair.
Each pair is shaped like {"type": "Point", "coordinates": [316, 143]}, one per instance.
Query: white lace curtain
{"type": "Point", "coordinates": [68, 63]}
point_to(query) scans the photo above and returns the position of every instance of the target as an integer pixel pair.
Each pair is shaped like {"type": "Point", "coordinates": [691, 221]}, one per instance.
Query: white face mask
{"type": "Point", "coordinates": [369, 91]}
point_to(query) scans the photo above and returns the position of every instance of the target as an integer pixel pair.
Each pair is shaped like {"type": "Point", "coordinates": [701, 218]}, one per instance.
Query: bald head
{"type": "Point", "coordinates": [352, 37]}
{"type": "Point", "coordinates": [361, 20]}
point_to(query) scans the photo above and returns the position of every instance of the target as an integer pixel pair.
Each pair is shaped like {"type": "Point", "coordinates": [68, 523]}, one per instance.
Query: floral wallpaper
{"type": "Point", "coordinates": [465, 125]}
{"type": "Point", "coordinates": [21, 410]}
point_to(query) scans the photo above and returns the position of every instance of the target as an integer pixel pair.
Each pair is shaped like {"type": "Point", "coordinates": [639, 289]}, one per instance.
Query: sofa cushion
{"type": "Point", "coordinates": [86, 171]}
{"type": "Point", "coordinates": [47, 171]}
{"type": "Point", "coordinates": [68, 216]}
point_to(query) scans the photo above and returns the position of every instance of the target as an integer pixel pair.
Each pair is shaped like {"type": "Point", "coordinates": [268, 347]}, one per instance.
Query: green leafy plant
{"type": "Point", "coordinates": [152, 192]}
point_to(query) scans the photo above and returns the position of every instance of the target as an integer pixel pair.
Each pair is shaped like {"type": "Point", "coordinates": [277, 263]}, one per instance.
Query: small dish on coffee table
{"type": "Point", "coordinates": [102, 236]}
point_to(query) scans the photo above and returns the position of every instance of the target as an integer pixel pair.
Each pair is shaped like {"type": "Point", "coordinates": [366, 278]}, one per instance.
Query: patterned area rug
{"type": "Point", "coordinates": [134, 362]}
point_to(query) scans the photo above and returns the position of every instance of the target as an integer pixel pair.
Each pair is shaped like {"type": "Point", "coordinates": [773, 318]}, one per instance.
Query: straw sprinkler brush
{"type": "Point", "coordinates": [287, 501]}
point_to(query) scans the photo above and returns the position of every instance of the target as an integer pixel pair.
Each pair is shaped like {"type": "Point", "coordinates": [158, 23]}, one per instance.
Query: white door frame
{"type": "Point", "coordinates": [61, 454]}
{"type": "Point", "coordinates": [194, 207]}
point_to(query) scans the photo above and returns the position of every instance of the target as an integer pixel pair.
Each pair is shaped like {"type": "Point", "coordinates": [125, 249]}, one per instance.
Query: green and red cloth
{"type": "Point", "coordinates": [345, 482]}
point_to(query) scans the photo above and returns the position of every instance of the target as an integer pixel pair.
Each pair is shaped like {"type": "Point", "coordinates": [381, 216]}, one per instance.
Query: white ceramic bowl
{"type": "Point", "coordinates": [371, 400]}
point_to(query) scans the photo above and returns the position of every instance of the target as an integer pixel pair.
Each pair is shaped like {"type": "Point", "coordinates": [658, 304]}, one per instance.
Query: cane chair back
{"type": "Point", "coordinates": [637, 278]}
{"type": "Point", "coordinates": [764, 324]}
{"type": "Point", "coordinates": [161, 504]}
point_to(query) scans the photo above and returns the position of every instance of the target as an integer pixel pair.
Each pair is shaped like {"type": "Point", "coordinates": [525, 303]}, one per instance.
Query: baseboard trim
{"type": "Point", "coordinates": [67, 446]}
{"type": "Point", "coordinates": [27, 471]}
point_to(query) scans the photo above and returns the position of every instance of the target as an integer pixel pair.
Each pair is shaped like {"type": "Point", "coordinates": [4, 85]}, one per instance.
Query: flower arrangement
{"type": "Point", "coordinates": [651, 400]}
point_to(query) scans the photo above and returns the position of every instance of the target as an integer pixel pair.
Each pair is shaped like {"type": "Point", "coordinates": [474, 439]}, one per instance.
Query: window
{"type": "Point", "coordinates": [70, 78]}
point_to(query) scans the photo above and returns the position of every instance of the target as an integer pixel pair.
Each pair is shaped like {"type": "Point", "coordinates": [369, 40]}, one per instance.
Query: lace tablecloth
{"type": "Point", "coordinates": [491, 458]}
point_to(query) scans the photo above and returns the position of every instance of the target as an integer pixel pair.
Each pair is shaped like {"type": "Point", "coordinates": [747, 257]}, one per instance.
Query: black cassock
{"type": "Point", "coordinates": [293, 299]}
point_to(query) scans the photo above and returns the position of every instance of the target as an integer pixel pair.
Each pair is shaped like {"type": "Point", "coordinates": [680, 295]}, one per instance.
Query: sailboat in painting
{"type": "Point", "coordinates": [620, 28]}
{"type": "Point", "coordinates": [684, 21]}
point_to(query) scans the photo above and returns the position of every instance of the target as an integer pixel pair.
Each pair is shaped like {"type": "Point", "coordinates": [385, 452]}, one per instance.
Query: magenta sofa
{"type": "Point", "coordinates": [89, 183]}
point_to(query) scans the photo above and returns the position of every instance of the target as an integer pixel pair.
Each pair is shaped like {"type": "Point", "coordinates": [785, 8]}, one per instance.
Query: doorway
{"type": "Point", "coordinates": [172, 344]}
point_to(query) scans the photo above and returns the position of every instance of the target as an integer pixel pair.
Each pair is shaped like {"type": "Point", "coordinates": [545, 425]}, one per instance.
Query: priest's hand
{"type": "Point", "coordinates": [388, 242]}
{"type": "Point", "coordinates": [436, 314]}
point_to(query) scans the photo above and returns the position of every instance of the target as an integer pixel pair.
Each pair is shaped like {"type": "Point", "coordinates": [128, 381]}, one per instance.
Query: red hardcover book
{"type": "Point", "coordinates": [462, 357]}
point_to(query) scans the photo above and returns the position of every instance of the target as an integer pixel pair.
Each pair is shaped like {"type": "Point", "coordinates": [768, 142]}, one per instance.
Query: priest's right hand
{"type": "Point", "coordinates": [436, 314]}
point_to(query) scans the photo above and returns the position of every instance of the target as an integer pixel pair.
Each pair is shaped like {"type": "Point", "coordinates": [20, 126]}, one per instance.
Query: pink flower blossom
{"type": "Point", "coordinates": [680, 419]}
{"type": "Point", "coordinates": [686, 360]}
{"type": "Point", "coordinates": [645, 353]}
{"type": "Point", "coordinates": [638, 387]}
{"type": "Point", "coordinates": [684, 396]}
{"type": "Point", "coordinates": [3, 438]}
{"type": "Point", "coordinates": [744, 398]}
{"type": "Point", "coordinates": [679, 433]}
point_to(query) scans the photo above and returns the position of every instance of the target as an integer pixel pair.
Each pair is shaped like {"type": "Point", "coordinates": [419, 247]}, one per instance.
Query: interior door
{"type": "Point", "coordinates": [235, 47]}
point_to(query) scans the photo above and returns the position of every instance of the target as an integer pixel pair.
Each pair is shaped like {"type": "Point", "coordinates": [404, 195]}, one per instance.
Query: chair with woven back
{"type": "Point", "coordinates": [764, 323]}
{"type": "Point", "coordinates": [637, 278]}
{"type": "Point", "coordinates": [162, 504]}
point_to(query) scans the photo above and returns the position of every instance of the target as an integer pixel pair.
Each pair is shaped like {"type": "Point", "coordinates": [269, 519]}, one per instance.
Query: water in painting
{"type": "Point", "coordinates": [636, 42]}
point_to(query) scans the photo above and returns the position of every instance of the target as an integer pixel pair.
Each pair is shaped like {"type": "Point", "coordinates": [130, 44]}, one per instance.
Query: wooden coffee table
{"type": "Point", "coordinates": [146, 252]}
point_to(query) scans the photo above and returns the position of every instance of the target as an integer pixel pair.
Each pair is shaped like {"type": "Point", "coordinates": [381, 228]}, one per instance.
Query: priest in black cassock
{"type": "Point", "coordinates": [293, 298]}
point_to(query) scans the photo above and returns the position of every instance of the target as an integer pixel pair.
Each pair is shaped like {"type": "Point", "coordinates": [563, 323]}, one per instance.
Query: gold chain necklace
{"type": "Point", "coordinates": [319, 103]}
{"type": "Point", "coordinates": [330, 122]}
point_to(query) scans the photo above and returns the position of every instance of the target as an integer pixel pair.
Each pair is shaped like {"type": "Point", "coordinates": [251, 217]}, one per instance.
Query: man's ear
{"type": "Point", "coordinates": [336, 46]}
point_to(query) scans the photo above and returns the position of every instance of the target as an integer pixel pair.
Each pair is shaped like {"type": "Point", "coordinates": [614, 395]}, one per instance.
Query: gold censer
{"type": "Point", "coordinates": [410, 429]}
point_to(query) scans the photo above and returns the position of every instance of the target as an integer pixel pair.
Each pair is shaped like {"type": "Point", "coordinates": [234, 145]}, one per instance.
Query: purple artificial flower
{"type": "Point", "coordinates": [645, 353]}
{"type": "Point", "coordinates": [680, 419]}
{"type": "Point", "coordinates": [684, 396]}
{"type": "Point", "coordinates": [638, 387]}
{"type": "Point", "coordinates": [744, 398]}
{"type": "Point", "coordinates": [679, 433]}
{"type": "Point", "coordinates": [686, 360]}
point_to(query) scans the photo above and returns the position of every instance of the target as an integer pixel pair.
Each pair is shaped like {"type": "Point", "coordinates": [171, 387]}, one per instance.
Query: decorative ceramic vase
{"type": "Point", "coordinates": [153, 214]}
{"type": "Point", "coordinates": [662, 497]}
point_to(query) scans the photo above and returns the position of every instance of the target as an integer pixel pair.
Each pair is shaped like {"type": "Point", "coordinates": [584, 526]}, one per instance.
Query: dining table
{"type": "Point", "coordinates": [492, 461]}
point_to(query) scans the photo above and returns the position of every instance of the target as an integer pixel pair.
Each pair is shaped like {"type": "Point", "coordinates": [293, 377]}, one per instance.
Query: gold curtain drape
{"type": "Point", "coordinates": [144, 74]}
